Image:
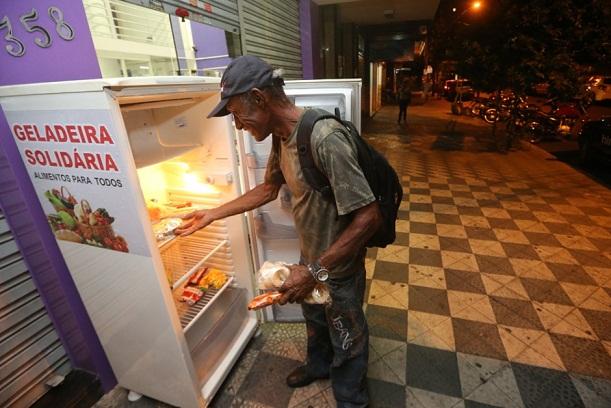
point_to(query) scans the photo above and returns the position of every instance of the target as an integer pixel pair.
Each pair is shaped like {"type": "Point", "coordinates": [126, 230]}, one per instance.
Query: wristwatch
{"type": "Point", "coordinates": [319, 272]}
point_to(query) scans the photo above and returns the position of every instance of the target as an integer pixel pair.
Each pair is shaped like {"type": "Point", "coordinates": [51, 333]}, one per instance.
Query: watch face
{"type": "Point", "coordinates": [322, 275]}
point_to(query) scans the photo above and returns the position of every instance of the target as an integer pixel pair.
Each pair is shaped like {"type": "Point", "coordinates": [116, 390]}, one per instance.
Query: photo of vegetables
{"type": "Point", "coordinates": [76, 222]}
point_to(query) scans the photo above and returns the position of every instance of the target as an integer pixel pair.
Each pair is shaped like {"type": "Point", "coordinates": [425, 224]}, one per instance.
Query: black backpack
{"type": "Point", "coordinates": [380, 175]}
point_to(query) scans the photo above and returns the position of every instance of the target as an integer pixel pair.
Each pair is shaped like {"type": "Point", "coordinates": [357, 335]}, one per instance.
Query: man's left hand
{"type": "Point", "coordinates": [298, 285]}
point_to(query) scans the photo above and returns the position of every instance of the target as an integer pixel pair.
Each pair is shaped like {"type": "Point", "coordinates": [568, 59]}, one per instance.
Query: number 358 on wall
{"type": "Point", "coordinates": [15, 46]}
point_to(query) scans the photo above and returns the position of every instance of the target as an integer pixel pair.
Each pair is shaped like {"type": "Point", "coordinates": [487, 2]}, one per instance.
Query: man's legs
{"type": "Point", "coordinates": [350, 339]}
{"type": "Point", "coordinates": [320, 352]}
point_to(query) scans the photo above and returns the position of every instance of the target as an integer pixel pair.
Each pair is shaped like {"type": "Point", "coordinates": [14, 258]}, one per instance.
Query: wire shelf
{"type": "Point", "coordinates": [189, 314]}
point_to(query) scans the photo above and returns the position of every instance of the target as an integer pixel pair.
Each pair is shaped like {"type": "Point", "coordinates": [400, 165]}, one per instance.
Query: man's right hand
{"type": "Point", "coordinates": [194, 221]}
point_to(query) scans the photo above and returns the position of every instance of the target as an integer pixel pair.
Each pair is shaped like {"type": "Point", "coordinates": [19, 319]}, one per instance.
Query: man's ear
{"type": "Point", "coordinates": [259, 96]}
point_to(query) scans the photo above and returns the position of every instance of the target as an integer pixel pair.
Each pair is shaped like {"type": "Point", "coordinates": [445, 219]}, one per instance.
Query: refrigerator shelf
{"type": "Point", "coordinates": [188, 315]}
{"type": "Point", "coordinates": [182, 258]}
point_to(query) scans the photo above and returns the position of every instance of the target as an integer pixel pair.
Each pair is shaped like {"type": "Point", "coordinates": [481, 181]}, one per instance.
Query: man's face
{"type": "Point", "coordinates": [251, 117]}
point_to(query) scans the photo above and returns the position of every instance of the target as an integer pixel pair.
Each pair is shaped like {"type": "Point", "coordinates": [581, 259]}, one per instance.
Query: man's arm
{"type": "Point", "coordinates": [366, 221]}
{"type": "Point", "coordinates": [258, 196]}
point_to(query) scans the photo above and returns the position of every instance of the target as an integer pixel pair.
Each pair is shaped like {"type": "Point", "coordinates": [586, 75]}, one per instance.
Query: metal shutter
{"type": "Point", "coordinates": [217, 13]}
{"type": "Point", "coordinates": [270, 30]}
{"type": "Point", "coordinates": [30, 351]}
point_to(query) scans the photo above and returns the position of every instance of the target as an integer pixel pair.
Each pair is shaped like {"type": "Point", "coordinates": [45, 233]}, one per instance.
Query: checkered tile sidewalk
{"type": "Point", "coordinates": [496, 292]}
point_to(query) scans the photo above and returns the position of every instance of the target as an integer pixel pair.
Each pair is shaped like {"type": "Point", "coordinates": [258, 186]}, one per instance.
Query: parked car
{"type": "Point", "coordinates": [600, 86]}
{"type": "Point", "coordinates": [595, 141]}
{"type": "Point", "coordinates": [453, 86]}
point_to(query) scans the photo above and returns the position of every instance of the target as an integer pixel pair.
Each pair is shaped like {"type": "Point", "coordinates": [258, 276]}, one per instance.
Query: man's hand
{"type": "Point", "coordinates": [298, 285]}
{"type": "Point", "coordinates": [195, 220]}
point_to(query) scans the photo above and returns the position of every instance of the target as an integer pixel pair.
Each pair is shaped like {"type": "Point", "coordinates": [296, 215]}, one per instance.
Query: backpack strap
{"type": "Point", "coordinates": [314, 177]}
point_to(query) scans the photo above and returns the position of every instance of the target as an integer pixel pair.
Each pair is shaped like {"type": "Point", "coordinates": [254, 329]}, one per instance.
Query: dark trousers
{"type": "Point", "coordinates": [338, 340]}
{"type": "Point", "coordinates": [403, 104]}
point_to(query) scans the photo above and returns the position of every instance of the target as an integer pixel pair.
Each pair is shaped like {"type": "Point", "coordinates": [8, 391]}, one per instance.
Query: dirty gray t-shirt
{"type": "Point", "coordinates": [319, 221]}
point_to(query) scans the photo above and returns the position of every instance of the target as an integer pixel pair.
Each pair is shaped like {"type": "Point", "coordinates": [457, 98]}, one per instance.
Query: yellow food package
{"type": "Point", "coordinates": [213, 278]}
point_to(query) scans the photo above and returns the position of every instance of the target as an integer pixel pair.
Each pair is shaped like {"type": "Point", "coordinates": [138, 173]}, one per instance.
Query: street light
{"type": "Point", "coordinates": [475, 6]}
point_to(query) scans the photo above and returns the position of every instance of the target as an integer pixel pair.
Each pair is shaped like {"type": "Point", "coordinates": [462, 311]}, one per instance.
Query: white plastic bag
{"type": "Point", "coordinates": [272, 275]}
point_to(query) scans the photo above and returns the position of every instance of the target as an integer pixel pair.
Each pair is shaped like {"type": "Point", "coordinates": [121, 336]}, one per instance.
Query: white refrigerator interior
{"type": "Point", "coordinates": [169, 155]}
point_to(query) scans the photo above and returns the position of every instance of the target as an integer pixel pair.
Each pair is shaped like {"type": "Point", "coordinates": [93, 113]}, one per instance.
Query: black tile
{"type": "Point", "coordinates": [590, 258]}
{"type": "Point", "coordinates": [372, 253]}
{"type": "Point", "coordinates": [422, 228]}
{"type": "Point", "coordinates": [403, 215]}
{"type": "Point", "coordinates": [391, 271]}
{"type": "Point", "coordinates": [600, 322]}
{"type": "Point", "coordinates": [494, 264]}
{"type": "Point", "coordinates": [423, 207]}
{"type": "Point", "coordinates": [480, 233]}
{"type": "Point", "coordinates": [420, 191]}
{"type": "Point", "coordinates": [577, 219]}
{"type": "Point", "coordinates": [427, 257]}
{"type": "Point", "coordinates": [571, 273]}
{"type": "Point", "coordinates": [462, 194]}
{"type": "Point", "coordinates": [429, 300]}
{"type": "Point", "coordinates": [602, 244]}
{"type": "Point", "coordinates": [387, 322]}
{"type": "Point", "coordinates": [432, 370]}
{"type": "Point", "coordinates": [367, 288]}
{"type": "Point", "coordinates": [583, 356]}
{"type": "Point", "coordinates": [448, 219]}
{"type": "Point", "coordinates": [560, 228]}
{"type": "Point", "coordinates": [546, 291]}
{"type": "Point", "coordinates": [384, 394]}
{"type": "Point", "coordinates": [515, 312]}
{"type": "Point", "coordinates": [540, 207]}
{"type": "Point", "coordinates": [543, 387]}
{"type": "Point", "coordinates": [594, 210]}
{"type": "Point", "coordinates": [503, 223]}
{"type": "Point", "coordinates": [521, 215]}
{"type": "Point", "coordinates": [454, 244]}
{"type": "Point", "coordinates": [79, 389]}
{"type": "Point", "coordinates": [489, 203]}
{"type": "Point", "coordinates": [542, 238]}
{"type": "Point", "coordinates": [438, 186]}
{"type": "Point", "coordinates": [480, 189]}
{"type": "Point", "coordinates": [268, 385]}
{"type": "Point", "coordinates": [402, 239]}
{"type": "Point", "coordinates": [464, 281]}
{"type": "Point", "coordinates": [481, 339]}
{"type": "Point", "coordinates": [520, 251]}
{"type": "Point", "coordinates": [442, 200]}
{"type": "Point", "coordinates": [469, 210]}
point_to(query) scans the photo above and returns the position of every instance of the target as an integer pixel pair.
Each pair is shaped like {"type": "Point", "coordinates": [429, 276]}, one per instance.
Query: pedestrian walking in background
{"type": "Point", "coordinates": [405, 96]}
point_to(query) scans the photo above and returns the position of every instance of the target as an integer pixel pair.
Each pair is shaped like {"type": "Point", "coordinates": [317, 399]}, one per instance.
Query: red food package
{"type": "Point", "coordinates": [191, 295]}
{"type": "Point", "coordinates": [197, 276]}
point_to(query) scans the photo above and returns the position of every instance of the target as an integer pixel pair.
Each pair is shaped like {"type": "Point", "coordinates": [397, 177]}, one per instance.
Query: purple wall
{"type": "Point", "coordinates": [63, 60]}
{"type": "Point", "coordinates": [309, 23]}
{"type": "Point", "coordinates": [210, 42]}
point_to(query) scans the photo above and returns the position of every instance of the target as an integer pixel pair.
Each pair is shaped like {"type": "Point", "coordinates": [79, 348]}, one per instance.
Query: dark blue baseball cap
{"type": "Point", "coordinates": [242, 74]}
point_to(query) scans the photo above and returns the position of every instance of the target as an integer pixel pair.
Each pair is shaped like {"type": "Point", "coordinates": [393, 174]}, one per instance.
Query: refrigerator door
{"type": "Point", "coordinates": [272, 224]}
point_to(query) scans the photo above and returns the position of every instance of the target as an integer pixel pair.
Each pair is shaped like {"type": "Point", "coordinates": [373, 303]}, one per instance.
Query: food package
{"type": "Point", "coordinates": [164, 229]}
{"type": "Point", "coordinates": [213, 278]}
{"type": "Point", "coordinates": [191, 295]}
{"type": "Point", "coordinates": [266, 299]}
{"type": "Point", "coordinates": [272, 275]}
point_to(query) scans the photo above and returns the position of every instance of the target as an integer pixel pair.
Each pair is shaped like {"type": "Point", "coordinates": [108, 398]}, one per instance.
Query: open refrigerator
{"type": "Point", "coordinates": [111, 160]}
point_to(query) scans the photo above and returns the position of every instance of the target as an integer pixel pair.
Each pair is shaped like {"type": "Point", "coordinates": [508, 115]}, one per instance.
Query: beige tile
{"type": "Point", "coordinates": [501, 190]}
{"type": "Point", "coordinates": [420, 198]}
{"type": "Point", "coordinates": [474, 221]}
{"type": "Point", "coordinates": [448, 258]}
{"type": "Point", "coordinates": [530, 268]}
{"type": "Point", "coordinates": [602, 276]}
{"type": "Point", "coordinates": [402, 226]}
{"type": "Point", "coordinates": [483, 195]}
{"type": "Point", "coordinates": [593, 231]}
{"type": "Point", "coordinates": [510, 236]}
{"type": "Point", "coordinates": [603, 221]}
{"type": "Point", "coordinates": [566, 209]}
{"type": "Point", "coordinates": [600, 300]}
{"type": "Point", "coordinates": [385, 300]}
{"type": "Point", "coordinates": [515, 205]}
{"type": "Point", "coordinates": [370, 266]}
{"type": "Point", "coordinates": [394, 253]}
{"type": "Point", "coordinates": [574, 324]}
{"type": "Point", "coordinates": [495, 213]}
{"type": "Point", "coordinates": [420, 216]}
{"type": "Point", "coordinates": [404, 205]}
{"type": "Point", "coordinates": [546, 216]}
{"type": "Point", "coordinates": [432, 340]}
{"type": "Point", "coordinates": [458, 301]}
{"type": "Point", "coordinates": [492, 281]}
{"type": "Point", "coordinates": [466, 202]}
{"type": "Point", "coordinates": [550, 314]}
{"type": "Point", "coordinates": [424, 241]}
{"type": "Point", "coordinates": [487, 247]}
{"type": "Point", "coordinates": [440, 193]}
{"type": "Point", "coordinates": [445, 209]}
{"type": "Point", "coordinates": [445, 332]}
{"type": "Point", "coordinates": [467, 263]}
{"type": "Point", "coordinates": [531, 226]}
{"type": "Point", "coordinates": [533, 199]}
{"type": "Point", "coordinates": [429, 276]}
{"type": "Point", "coordinates": [546, 252]}
{"type": "Point", "coordinates": [517, 185]}
{"type": "Point", "coordinates": [419, 184]}
{"type": "Point", "coordinates": [415, 326]}
{"type": "Point", "coordinates": [531, 356]}
{"type": "Point", "coordinates": [578, 293]}
{"type": "Point", "coordinates": [544, 346]}
{"type": "Point", "coordinates": [513, 346]}
{"type": "Point", "coordinates": [575, 242]}
{"type": "Point", "coordinates": [452, 231]}
{"type": "Point", "coordinates": [478, 311]}
{"type": "Point", "coordinates": [459, 187]}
